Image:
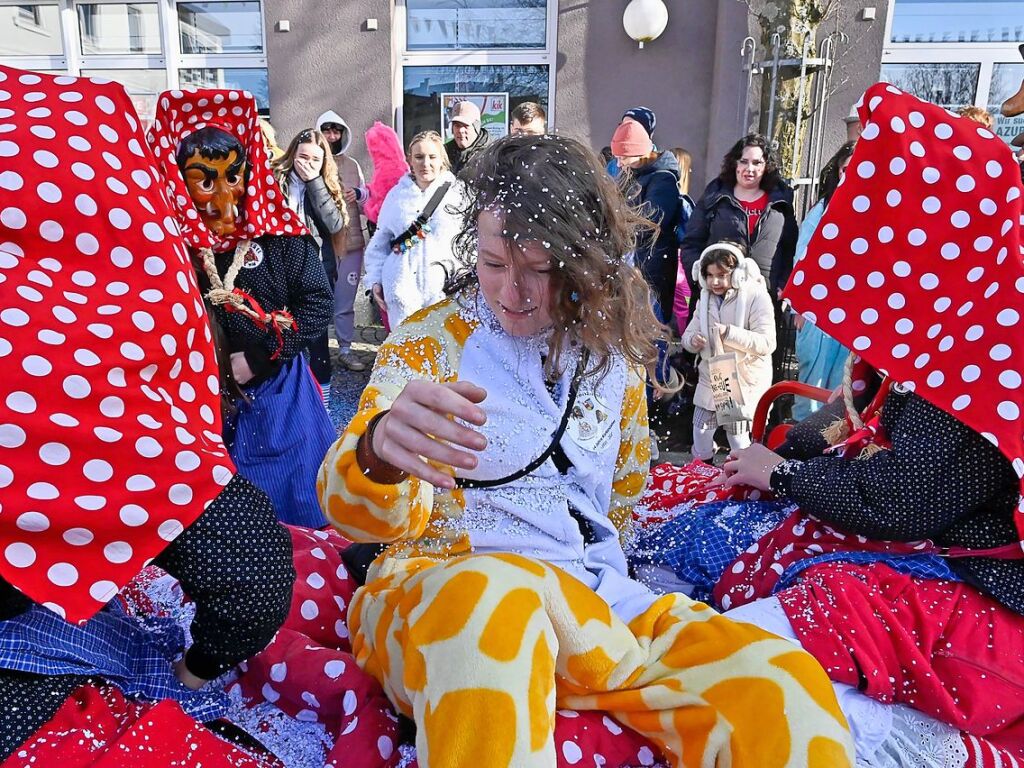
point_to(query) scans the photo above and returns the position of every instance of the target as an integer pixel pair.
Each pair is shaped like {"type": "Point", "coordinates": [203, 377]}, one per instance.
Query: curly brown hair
{"type": "Point", "coordinates": [554, 190]}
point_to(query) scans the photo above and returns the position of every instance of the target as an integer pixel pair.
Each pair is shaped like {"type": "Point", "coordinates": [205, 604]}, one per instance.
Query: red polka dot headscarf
{"type": "Point", "coordinates": [182, 113]}
{"type": "Point", "coordinates": [918, 264]}
{"type": "Point", "coordinates": [110, 432]}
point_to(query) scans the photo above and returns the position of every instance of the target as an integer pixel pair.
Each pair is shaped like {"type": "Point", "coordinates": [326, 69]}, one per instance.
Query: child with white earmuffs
{"type": "Point", "coordinates": [734, 316]}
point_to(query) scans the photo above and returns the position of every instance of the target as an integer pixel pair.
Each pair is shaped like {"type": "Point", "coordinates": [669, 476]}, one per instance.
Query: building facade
{"type": "Point", "coordinates": [403, 61]}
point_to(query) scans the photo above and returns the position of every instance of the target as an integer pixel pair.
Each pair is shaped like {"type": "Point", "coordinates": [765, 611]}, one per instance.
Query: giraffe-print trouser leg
{"type": "Point", "coordinates": [479, 650]}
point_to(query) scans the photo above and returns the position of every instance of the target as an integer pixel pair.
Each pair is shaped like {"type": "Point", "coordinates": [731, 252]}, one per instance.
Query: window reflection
{"type": "Point", "coordinates": [949, 85]}
{"type": "Point", "coordinates": [30, 30]}
{"type": "Point", "coordinates": [250, 79]}
{"type": "Point", "coordinates": [119, 28]}
{"type": "Point", "coordinates": [471, 24]}
{"type": "Point", "coordinates": [1007, 79]}
{"type": "Point", "coordinates": [220, 27]}
{"type": "Point", "coordinates": [142, 85]}
{"type": "Point", "coordinates": [958, 21]}
{"type": "Point", "coordinates": [423, 87]}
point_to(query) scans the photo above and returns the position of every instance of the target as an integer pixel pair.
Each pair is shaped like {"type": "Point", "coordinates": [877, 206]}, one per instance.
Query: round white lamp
{"type": "Point", "coordinates": [645, 20]}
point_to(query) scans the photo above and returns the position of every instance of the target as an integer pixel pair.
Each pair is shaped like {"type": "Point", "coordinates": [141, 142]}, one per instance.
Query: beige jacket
{"type": "Point", "coordinates": [746, 319]}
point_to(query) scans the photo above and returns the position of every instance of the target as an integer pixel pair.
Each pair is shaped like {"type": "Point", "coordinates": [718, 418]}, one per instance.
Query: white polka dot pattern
{"type": "Point", "coordinates": [946, 281]}
{"type": "Point", "coordinates": [181, 113]}
{"type": "Point", "coordinates": [95, 409]}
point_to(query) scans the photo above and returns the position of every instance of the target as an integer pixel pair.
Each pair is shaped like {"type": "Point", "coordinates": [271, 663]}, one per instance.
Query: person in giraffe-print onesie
{"type": "Point", "coordinates": [478, 456]}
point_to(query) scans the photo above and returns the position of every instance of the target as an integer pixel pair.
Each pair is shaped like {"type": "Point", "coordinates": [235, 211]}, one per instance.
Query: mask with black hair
{"type": "Point", "coordinates": [212, 162]}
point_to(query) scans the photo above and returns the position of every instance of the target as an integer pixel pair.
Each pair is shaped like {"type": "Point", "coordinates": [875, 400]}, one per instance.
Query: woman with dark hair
{"type": "Point", "coordinates": [821, 358]}
{"type": "Point", "coordinates": [504, 588]}
{"type": "Point", "coordinates": [749, 202]}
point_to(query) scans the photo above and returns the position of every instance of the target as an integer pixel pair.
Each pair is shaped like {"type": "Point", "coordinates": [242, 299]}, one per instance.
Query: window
{"type": "Point", "coordinates": [252, 80]}
{"type": "Point", "coordinates": [462, 25]}
{"type": "Point", "coordinates": [957, 52]}
{"type": "Point", "coordinates": [951, 85]}
{"type": "Point", "coordinates": [1007, 79]}
{"type": "Point", "coordinates": [226, 27]}
{"type": "Point", "coordinates": [499, 52]}
{"type": "Point", "coordinates": [423, 87]}
{"type": "Point", "coordinates": [957, 21]}
{"type": "Point", "coordinates": [148, 46]}
{"type": "Point", "coordinates": [119, 28]}
{"type": "Point", "coordinates": [30, 30]}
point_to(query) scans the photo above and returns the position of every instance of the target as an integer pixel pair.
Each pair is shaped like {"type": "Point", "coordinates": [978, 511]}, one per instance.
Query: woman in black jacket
{"type": "Point", "coordinates": [751, 203]}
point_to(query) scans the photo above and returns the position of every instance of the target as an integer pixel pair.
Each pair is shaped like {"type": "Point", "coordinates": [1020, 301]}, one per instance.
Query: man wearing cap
{"type": "Point", "coordinates": [467, 137]}
{"type": "Point", "coordinates": [853, 126]}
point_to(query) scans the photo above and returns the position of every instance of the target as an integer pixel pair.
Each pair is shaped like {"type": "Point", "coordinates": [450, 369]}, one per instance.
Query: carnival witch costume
{"type": "Point", "coordinates": [110, 429]}
{"type": "Point", "coordinates": [262, 275]}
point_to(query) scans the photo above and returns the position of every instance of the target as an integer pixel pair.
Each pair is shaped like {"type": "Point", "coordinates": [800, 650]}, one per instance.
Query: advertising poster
{"type": "Point", "coordinates": [493, 112]}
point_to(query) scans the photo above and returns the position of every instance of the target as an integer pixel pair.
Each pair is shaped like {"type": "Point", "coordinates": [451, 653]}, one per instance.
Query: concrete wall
{"type": "Point", "coordinates": [690, 76]}
{"type": "Point", "coordinates": [329, 61]}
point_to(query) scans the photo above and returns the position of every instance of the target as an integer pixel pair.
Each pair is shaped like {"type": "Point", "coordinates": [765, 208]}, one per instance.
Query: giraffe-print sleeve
{"type": "Point", "coordinates": [634, 459]}
{"type": "Point", "coordinates": [365, 511]}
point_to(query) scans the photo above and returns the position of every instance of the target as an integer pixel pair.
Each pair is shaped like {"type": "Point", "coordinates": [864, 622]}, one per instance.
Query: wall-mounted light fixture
{"type": "Point", "coordinates": [645, 20]}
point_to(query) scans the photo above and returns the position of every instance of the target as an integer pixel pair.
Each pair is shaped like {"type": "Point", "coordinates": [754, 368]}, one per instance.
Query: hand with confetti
{"type": "Point", "coordinates": [419, 430]}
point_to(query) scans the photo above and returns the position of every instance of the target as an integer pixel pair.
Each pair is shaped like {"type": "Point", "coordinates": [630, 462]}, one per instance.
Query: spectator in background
{"type": "Point", "coordinates": [853, 126]}
{"type": "Point", "coordinates": [681, 304]}
{"type": "Point", "coordinates": [654, 190]}
{"type": "Point", "coordinates": [749, 202]}
{"type": "Point", "coordinates": [310, 182]}
{"type": "Point", "coordinates": [530, 118]}
{"type": "Point", "coordinates": [349, 261]}
{"type": "Point", "coordinates": [270, 139]}
{"type": "Point", "coordinates": [752, 204]}
{"type": "Point", "coordinates": [979, 115]}
{"type": "Point", "coordinates": [409, 259]}
{"type": "Point", "coordinates": [468, 137]}
{"type": "Point", "coordinates": [647, 120]}
{"type": "Point", "coordinates": [821, 359]}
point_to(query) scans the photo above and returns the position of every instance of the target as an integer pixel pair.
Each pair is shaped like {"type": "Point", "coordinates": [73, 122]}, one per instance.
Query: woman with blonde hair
{"type": "Point", "coordinates": [410, 256]}
{"type": "Point", "coordinates": [311, 186]}
{"type": "Point", "coordinates": [497, 451]}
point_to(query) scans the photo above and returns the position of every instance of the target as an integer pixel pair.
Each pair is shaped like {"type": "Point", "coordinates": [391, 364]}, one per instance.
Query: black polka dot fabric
{"type": "Point", "coordinates": [27, 702]}
{"type": "Point", "coordinates": [281, 273]}
{"type": "Point", "coordinates": [940, 480]}
{"type": "Point", "coordinates": [235, 562]}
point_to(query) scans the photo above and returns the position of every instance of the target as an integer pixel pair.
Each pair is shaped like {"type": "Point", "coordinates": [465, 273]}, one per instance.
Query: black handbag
{"type": "Point", "coordinates": [418, 229]}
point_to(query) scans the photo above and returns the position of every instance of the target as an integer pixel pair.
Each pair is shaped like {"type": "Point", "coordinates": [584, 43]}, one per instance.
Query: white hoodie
{"type": "Point", "coordinates": [414, 279]}
{"type": "Point", "coordinates": [351, 175]}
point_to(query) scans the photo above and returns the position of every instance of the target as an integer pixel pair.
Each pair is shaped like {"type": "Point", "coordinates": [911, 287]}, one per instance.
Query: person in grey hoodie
{"type": "Point", "coordinates": [350, 263]}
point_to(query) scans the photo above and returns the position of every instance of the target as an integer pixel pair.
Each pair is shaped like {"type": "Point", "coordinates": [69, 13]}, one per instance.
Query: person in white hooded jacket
{"type": "Point", "coordinates": [410, 274]}
{"type": "Point", "coordinates": [734, 314]}
{"type": "Point", "coordinates": [349, 264]}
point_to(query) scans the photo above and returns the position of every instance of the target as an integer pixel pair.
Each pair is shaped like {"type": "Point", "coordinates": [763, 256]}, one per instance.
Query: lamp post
{"type": "Point", "coordinates": [645, 20]}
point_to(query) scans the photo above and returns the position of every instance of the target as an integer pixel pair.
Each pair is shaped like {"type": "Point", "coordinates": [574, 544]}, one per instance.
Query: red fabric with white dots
{"type": "Point", "coordinates": [918, 264]}
{"type": "Point", "coordinates": [110, 430]}
{"type": "Point", "coordinates": [181, 113]}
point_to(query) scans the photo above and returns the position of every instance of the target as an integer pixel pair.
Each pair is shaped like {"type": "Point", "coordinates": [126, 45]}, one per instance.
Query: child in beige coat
{"type": "Point", "coordinates": [734, 314]}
